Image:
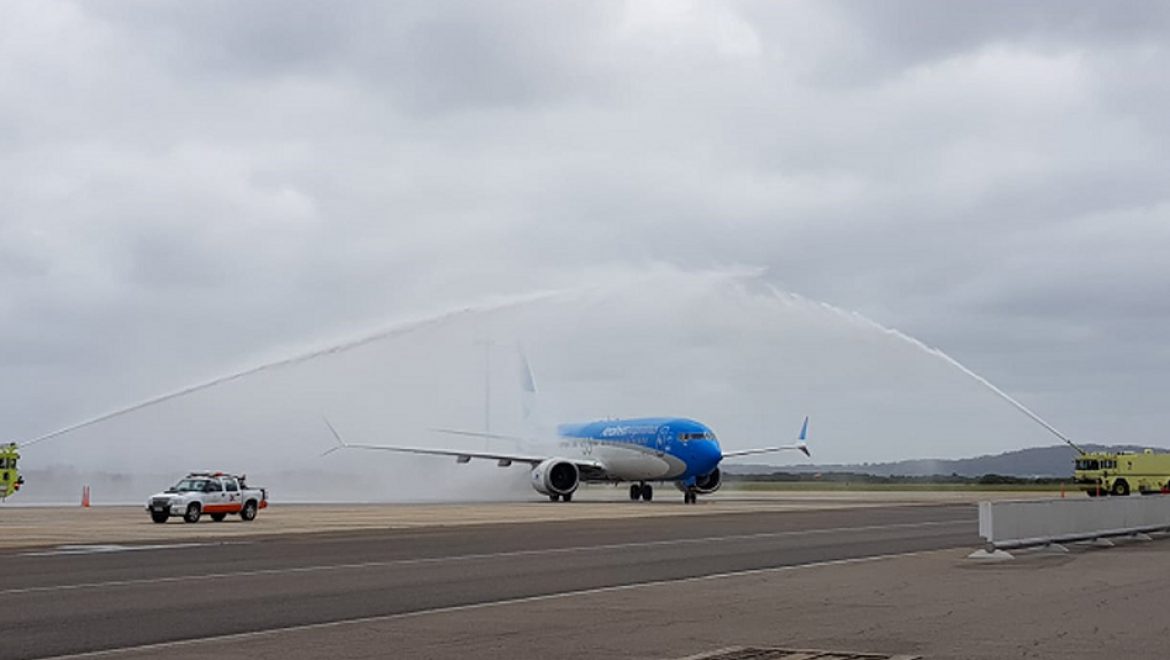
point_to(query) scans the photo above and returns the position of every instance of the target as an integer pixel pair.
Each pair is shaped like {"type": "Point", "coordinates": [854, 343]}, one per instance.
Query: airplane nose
{"type": "Point", "coordinates": [712, 454]}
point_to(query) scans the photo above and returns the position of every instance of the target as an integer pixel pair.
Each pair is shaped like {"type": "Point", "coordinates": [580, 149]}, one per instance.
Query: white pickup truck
{"type": "Point", "coordinates": [215, 493]}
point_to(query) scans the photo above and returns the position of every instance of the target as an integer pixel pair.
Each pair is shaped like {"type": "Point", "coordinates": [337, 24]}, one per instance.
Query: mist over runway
{"type": "Point", "coordinates": [723, 347]}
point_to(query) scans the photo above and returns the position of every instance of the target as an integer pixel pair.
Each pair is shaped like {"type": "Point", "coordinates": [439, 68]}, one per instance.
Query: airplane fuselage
{"type": "Point", "coordinates": [645, 449]}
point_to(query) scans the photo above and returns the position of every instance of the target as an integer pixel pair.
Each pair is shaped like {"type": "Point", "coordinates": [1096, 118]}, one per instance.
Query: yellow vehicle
{"type": "Point", "coordinates": [10, 479]}
{"type": "Point", "coordinates": [1107, 473]}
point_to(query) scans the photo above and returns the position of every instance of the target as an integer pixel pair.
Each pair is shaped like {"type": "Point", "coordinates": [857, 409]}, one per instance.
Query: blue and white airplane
{"type": "Point", "coordinates": [643, 450]}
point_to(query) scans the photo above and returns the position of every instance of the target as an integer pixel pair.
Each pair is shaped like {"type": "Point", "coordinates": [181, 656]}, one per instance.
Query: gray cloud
{"type": "Point", "coordinates": [188, 187]}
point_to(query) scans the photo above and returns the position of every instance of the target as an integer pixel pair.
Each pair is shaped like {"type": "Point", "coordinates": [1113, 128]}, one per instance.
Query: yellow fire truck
{"type": "Point", "coordinates": [1107, 473]}
{"type": "Point", "coordinates": [10, 479]}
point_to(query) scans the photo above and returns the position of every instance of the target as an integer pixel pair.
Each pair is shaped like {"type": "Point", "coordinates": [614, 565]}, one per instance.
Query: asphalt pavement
{"type": "Point", "coordinates": [65, 600]}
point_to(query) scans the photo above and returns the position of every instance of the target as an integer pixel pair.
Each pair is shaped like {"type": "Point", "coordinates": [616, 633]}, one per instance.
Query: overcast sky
{"type": "Point", "coordinates": [187, 188]}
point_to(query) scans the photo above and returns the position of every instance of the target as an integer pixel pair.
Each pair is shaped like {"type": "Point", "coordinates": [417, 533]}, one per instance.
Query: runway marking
{"type": "Point", "coordinates": [102, 549]}
{"type": "Point", "coordinates": [236, 637]}
{"type": "Point", "coordinates": [470, 557]}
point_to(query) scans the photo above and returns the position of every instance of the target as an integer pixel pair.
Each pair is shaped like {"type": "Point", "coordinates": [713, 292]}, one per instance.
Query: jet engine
{"type": "Point", "coordinates": [710, 482]}
{"type": "Point", "coordinates": [555, 476]}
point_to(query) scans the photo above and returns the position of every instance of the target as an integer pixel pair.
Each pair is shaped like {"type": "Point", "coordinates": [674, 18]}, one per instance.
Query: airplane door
{"type": "Point", "coordinates": [663, 440]}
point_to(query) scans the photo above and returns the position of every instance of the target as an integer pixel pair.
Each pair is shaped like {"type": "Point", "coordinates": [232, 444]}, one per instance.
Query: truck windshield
{"type": "Point", "coordinates": [1087, 464]}
{"type": "Point", "coordinates": [190, 485]}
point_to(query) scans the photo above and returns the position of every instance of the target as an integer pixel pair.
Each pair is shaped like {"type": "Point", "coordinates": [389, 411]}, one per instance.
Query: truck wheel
{"type": "Point", "coordinates": [218, 517]}
{"type": "Point", "coordinates": [248, 513]}
{"type": "Point", "coordinates": [1120, 488]}
{"type": "Point", "coordinates": [159, 516]}
{"type": "Point", "coordinates": [193, 513]}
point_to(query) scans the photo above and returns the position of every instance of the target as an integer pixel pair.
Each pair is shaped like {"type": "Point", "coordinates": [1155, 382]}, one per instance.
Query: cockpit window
{"type": "Point", "coordinates": [696, 436]}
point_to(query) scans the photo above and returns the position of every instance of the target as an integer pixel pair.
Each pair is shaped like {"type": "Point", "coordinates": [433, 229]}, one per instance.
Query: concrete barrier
{"type": "Point", "coordinates": [1022, 524]}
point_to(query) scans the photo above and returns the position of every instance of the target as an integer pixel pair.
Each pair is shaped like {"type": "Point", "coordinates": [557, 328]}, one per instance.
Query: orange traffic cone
{"type": "Point", "coordinates": [1062, 490]}
{"type": "Point", "coordinates": [85, 497]}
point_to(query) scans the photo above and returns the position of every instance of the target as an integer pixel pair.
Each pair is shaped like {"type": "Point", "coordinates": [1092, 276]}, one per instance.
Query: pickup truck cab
{"type": "Point", "coordinates": [215, 493]}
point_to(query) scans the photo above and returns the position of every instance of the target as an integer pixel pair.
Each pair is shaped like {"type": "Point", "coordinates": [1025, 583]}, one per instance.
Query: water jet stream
{"type": "Point", "coordinates": [936, 352]}
{"type": "Point", "coordinates": [399, 329]}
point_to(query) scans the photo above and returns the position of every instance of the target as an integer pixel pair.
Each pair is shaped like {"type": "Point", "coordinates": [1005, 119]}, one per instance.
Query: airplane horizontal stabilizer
{"type": "Point", "coordinates": [457, 453]}
{"type": "Point", "coordinates": [479, 434]}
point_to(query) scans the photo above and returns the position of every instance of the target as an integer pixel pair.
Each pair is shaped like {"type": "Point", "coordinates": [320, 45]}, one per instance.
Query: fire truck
{"type": "Point", "coordinates": [10, 479]}
{"type": "Point", "coordinates": [1122, 473]}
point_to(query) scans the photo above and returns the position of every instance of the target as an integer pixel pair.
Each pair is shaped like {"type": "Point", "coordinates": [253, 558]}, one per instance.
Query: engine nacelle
{"type": "Point", "coordinates": [555, 476]}
{"type": "Point", "coordinates": [710, 482]}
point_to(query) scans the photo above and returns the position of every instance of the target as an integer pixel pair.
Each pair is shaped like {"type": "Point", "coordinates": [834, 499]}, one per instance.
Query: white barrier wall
{"type": "Point", "coordinates": [1036, 522]}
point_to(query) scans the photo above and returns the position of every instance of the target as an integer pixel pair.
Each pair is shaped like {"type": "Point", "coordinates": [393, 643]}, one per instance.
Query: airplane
{"type": "Point", "coordinates": [637, 451]}
{"type": "Point", "coordinates": [642, 450]}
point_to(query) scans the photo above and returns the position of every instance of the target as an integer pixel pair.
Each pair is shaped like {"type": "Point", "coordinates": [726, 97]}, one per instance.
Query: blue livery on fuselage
{"type": "Point", "coordinates": [689, 448]}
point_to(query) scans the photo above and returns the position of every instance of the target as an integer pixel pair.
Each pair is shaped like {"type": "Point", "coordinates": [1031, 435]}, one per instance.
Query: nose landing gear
{"type": "Point", "coordinates": [690, 497]}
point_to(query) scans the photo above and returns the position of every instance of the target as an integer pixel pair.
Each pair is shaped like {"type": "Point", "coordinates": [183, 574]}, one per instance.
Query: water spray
{"type": "Point", "coordinates": [396, 330]}
{"type": "Point", "coordinates": [858, 317]}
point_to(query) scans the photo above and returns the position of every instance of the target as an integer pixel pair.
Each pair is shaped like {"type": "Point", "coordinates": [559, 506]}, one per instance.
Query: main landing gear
{"type": "Point", "coordinates": [690, 497]}
{"type": "Point", "coordinates": [567, 497]}
{"type": "Point", "coordinates": [644, 491]}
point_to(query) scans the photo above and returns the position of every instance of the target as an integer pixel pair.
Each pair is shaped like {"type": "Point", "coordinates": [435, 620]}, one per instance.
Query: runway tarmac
{"type": "Point", "coordinates": [47, 526]}
{"type": "Point", "coordinates": [60, 600]}
{"type": "Point", "coordinates": [1090, 604]}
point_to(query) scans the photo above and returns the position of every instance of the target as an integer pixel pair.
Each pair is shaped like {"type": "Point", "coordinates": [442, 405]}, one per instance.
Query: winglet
{"type": "Point", "coordinates": [340, 443]}
{"type": "Point", "coordinates": [803, 438]}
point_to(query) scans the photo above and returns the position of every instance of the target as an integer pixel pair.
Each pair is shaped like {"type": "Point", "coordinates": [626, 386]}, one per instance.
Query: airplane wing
{"type": "Point", "coordinates": [800, 445]}
{"type": "Point", "coordinates": [767, 450]}
{"type": "Point", "coordinates": [457, 453]}
{"type": "Point", "coordinates": [591, 469]}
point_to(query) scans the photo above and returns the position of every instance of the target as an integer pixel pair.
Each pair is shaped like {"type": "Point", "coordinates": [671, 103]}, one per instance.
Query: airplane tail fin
{"type": "Point", "coordinates": [527, 404]}
{"type": "Point", "coordinates": [527, 385]}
